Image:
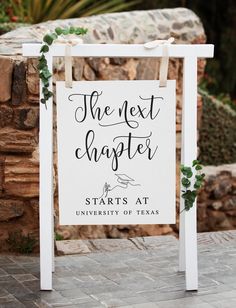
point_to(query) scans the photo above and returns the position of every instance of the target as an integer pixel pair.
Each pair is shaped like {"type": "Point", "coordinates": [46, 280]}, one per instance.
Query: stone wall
{"type": "Point", "coordinates": [217, 200]}
{"type": "Point", "coordinates": [19, 105]}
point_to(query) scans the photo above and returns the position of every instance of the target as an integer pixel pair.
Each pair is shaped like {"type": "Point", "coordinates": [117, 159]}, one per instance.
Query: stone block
{"type": "Point", "coordinates": [113, 73]}
{"type": "Point", "coordinates": [6, 116]}
{"type": "Point", "coordinates": [2, 164]}
{"type": "Point", "coordinates": [230, 203]}
{"type": "Point", "coordinates": [6, 65]}
{"type": "Point", "coordinates": [32, 80]}
{"type": "Point", "coordinates": [26, 118]}
{"type": "Point", "coordinates": [222, 188]}
{"type": "Point", "coordinates": [78, 68]}
{"type": "Point", "coordinates": [88, 73]}
{"type": "Point", "coordinates": [96, 63]}
{"type": "Point", "coordinates": [19, 83]}
{"type": "Point", "coordinates": [21, 177]}
{"type": "Point", "coordinates": [147, 69]}
{"type": "Point", "coordinates": [16, 141]}
{"type": "Point", "coordinates": [10, 209]}
{"type": "Point", "coordinates": [71, 247]}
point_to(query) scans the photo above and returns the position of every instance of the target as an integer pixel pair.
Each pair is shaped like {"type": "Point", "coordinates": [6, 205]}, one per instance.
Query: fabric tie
{"type": "Point", "coordinates": [163, 71]}
{"type": "Point", "coordinates": [68, 58]}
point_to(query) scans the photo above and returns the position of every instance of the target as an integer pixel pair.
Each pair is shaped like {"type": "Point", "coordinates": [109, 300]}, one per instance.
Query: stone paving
{"type": "Point", "coordinates": [139, 273]}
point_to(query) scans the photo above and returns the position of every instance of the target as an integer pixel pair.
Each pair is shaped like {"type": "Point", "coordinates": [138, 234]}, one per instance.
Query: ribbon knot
{"type": "Point", "coordinates": [163, 71]}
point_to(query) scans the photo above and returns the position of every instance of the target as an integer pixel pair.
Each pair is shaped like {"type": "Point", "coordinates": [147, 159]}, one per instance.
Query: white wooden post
{"type": "Point", "coordinates": [188, 219]}
{"type": "Point", "coordinates": [46, 205]}
{"type": "Point", "coordinates": [188, 235]}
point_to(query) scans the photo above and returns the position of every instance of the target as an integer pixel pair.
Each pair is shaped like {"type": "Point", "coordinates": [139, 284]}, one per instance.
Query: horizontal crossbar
{"type": "Point", "coordinates": [122, 50]}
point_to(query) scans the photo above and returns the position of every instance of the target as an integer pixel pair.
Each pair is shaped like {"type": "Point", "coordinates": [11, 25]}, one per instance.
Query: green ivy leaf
{"type": "Point", "coordinates": [80, 31]}
{"type": "Point", "coordinates": [58, 31]}
{"type": "Point", "coordinates": [198, 184]}
{"type": "Point", "coordinates": [72, 30]}
{"type": "Point", "coordinates": [54, 36]}
{"type": "Point", "coordinates": [185, 182]}
{"type": "Point", "coordinates": [188, 205]}
{"type": "Point", "coordinates": [44, 48]}
{"type": "Point", "coordinates": [66, 31]}
{"type": "Point", "coordinates": [189, 195]}
{"type": "Point", "coordinates": [198, 167]}
{"type": "Point", "coordinates": [186, 171]}
{"type": "Point", "coordinates": [48, 39]}
{"type": "Point", "coordinates": [46, 73]}
{"type": "Point", "coordinates": [195, 162]}
{"type": "Point", "coordinates": [45, 90]}
{"type": "Point", "coordinates": [40, 66]}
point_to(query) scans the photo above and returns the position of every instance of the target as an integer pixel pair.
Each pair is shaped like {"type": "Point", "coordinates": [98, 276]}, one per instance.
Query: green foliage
{"type": "Point", "coordinates": [35, 11]}
{"type": "Point", "coordinates": [189, 195]}
{"type": "Point", "coordinates": [58, 237]}
{"type": "Point", "coordinates": [44, 73]}
{"type": "Point", "coordinates": [4, 17]}
{"type": "Point", "coordinates": [21, 243]}
{"type": "Point", "coordinates": [210, 85]}
{"type": "Point", "coordinates": [9, 26]}
{"type": "Point", "coordinates": [217, 138]}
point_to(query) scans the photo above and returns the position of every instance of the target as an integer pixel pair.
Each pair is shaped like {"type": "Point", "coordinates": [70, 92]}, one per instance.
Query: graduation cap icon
{"type": "Point", "coordinates": [124, 179]}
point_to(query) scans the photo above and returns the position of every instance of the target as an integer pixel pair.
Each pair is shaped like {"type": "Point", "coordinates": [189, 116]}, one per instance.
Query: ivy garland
{"type": "Point", "coordinates": [189, 195]}
{"type": "Point", "coordinates": [44, 73]}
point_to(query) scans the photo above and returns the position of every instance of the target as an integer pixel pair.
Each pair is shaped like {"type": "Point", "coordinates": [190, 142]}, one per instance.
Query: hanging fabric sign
{"type": "Point", "coordinates": [116, 152]}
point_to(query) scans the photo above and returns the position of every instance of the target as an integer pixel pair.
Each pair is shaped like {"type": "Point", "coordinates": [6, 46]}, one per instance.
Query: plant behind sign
{"type": "Point", "coordinates": [188, 194]}
{"type": "Point", "coordinates": [44, 73]}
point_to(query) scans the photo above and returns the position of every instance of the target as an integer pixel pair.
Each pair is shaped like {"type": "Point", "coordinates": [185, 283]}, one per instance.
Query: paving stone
{"type": "Point", "coordinates": [3, 292]}
{"type": "Point", "coordinates": [24, 259]}
{"type": "Point", "coordinates": [145, 305]}
{"type": "Point", "coordinates": [18, 290]}
{"type": "Point", "coordinates": [29, 304]}
{"type": "Point", "coordinates": [85, 301]}
{"type": "Point", "coordinates": [33, 285]}
{"type": "Point", "coordinates": [14, 269]}
{"type": "Point", "coordinates": [4, 260]}
{"type": "Point", "coordinates": [135, 300]}
{"type": "Point", "coordinates": [128, 279]}
{"type": "Point", "coordinates": [156, 296]}
{"type": "Point", "coordinates": [226, 303]}
{"type": "Point", "coordinates": [3, 273]}
{"type": "Point", "coordinates": [74, 294]}
{"type": "Point", "coordinates": [12, 304]}
{"type": "Point", "coordinates": [181, 303]}
{"type": "Point", "coordinates": [7, 298]}
{"type": "Point", "coordinates": [24, 277]}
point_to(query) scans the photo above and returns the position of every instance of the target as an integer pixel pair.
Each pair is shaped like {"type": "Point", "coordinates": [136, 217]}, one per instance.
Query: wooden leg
{"type": "Point", "coordinates": [46, 191]}
{"type": "Point", "coordinates": [188, 225]}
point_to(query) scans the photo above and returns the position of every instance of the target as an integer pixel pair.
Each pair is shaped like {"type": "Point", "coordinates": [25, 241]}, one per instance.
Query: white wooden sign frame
{"type": "Point", "coordinates": [188, 228]}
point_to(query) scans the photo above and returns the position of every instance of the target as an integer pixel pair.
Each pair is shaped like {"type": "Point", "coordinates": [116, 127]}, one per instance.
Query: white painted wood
{"type": "Point", "coordinates": [181, 228]}
{"type": "Point", "coordinates": [122, 50]}
{"type": "Point", "coordinates": [188, 228]}
{"type": "Point", "coordinates": [46, 189]}
{"type": "Point", "coordinates": [190, 53]}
